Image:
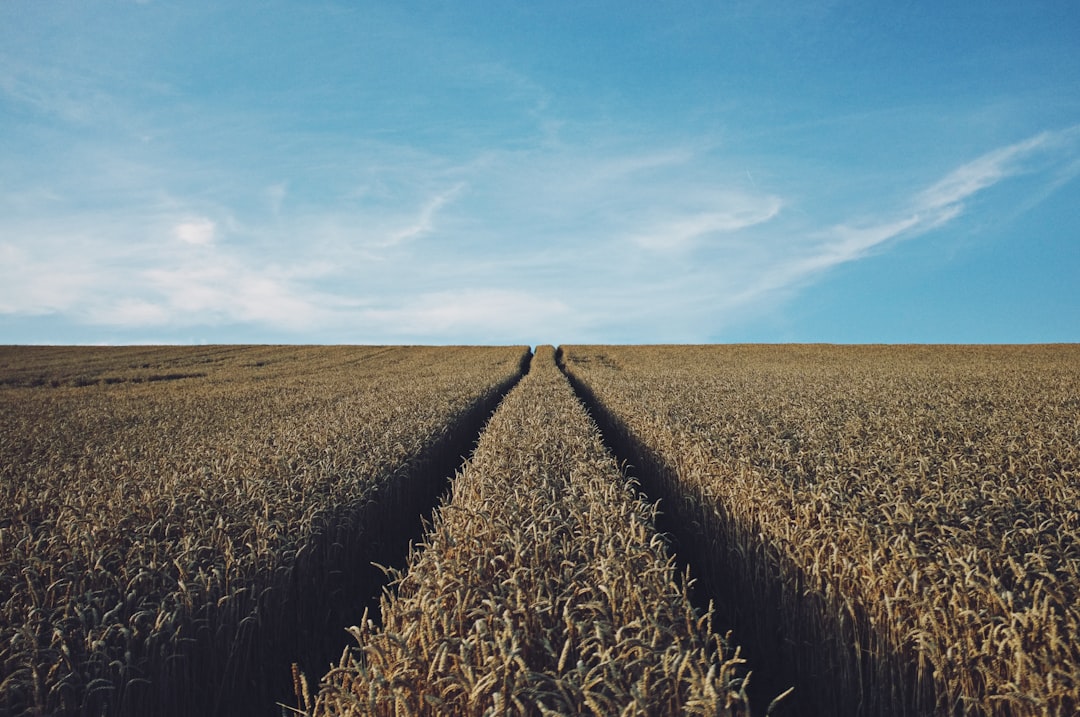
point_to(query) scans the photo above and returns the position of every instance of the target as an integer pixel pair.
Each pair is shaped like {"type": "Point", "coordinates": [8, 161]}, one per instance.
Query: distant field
{"type": "Point", "coordinates": [886, 530]}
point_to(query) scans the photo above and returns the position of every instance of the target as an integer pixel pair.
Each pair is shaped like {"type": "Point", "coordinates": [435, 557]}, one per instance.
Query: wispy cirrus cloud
{"type": "Point", "coordinates": [570, 243]}
{"type": "Point", "coordinates": [942, 202]}
{"type": "Point", "coordinates": [951, 191]}
{"type": "Point", "coordinates": [505, 175]}
{"type": "Point", "coordinates": [424, 221]}
{"type": "Point", "coordinates": [734, 213]}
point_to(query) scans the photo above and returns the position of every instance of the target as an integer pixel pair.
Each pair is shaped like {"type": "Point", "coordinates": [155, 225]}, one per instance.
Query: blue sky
{"type": "Point", "coordinates": [558, 172]}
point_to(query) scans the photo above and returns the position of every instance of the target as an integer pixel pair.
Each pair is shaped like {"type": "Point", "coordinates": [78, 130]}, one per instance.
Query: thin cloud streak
{"type": "Point", "coordinates": [682, 233]}
{"type": "Point", "coordinates": [932, 208]}
{"type": "Point", "coordinates": [425, 221]}
{"type": "Point", "coordinates": [984, 172]}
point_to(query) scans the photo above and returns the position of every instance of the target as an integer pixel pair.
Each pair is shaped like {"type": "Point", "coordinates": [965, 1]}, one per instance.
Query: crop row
{"type": "Point", "coordinates": [542, 588]}
{"type": "Point", "coordinates": [896, 527]}
{"type": "Point", "coordinates": [179, 524]}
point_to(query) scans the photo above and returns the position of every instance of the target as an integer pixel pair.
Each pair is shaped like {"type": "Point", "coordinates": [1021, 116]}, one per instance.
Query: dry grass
{"type": "Point", "coordinates": [543, 588]}
{"type": "Point", "coordinates": [176, 521]}
{"type": "Point", "coordinates": [899, 525]}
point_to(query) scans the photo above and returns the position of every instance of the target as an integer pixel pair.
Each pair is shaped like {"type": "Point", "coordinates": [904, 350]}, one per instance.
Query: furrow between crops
{"type": "Point", "coordinates": [680, 517]}
{"type": "Point", "coordinates": [542, 588]}
{"type": "Point", "coordinates": [355, 561]}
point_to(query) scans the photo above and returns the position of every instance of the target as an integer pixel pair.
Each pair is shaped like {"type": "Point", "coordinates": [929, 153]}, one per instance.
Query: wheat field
{"type": "Point", "coordinates": [542, 588]}
{"type": "Point", "coordinates": [179, 524]}
{"type": "Point", "coordinates": [639, 530]}
{"type": "Point", "coordinates": [896, 527]}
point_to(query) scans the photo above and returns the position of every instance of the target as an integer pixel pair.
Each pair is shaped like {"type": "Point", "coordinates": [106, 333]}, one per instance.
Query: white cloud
{"type": "Point", "coordinates": [838, 245]}
{"type": "Point", "coordinates": [424, 222]}
{"type": "Point", "coordinates": [564, 243]}
{"type": "Point", "coordinates": [133, 312]}
{"type": "Point", "coordinates": [118, 272]}
{"type": "Point", "coordinates": [981, 173]}
{"type": "Point", "coordinates": [208, 298]}
{"type": "Point", "coordinates": [846, 243]}
{"type": "Point", "coordinates": [35, 283]}
{"type": "Point", "coordinates": [196, 231]}
{"type": "Point", "coordinates": [484, 314]}
{"type": "Point", "coordinates": [225, 291]}
{"type": "Point", "coordinates": [939, 204]}
{"type": "Point", "coordinates": [741, 212]}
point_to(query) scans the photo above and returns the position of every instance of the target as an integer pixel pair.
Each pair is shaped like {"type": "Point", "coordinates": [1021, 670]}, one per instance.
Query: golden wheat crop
{"type": "Point", "coordinates": [900, 526]}
{"type": "Point", "coordinates": [176, 524]}
{"type": "Point", "coordinates": [542, 588]}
